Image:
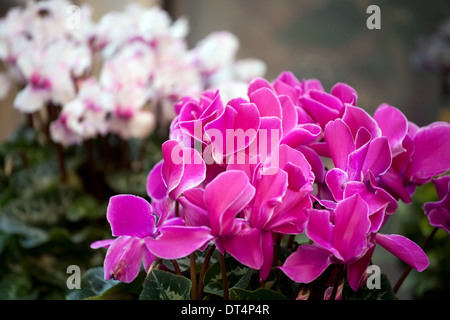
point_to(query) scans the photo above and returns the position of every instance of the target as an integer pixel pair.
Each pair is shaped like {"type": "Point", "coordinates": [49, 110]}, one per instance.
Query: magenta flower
{"type": "Point", "coordinates": [220, 208]}
{"type": "Point", "coordinates": [192, 117]}
{"type": "Point", "coordinates": [343, 236]}
{"type": "Point", "coordinates": [280, 203]}
{"type": "Point", "coordinates": [356, 155]}
{"type": "Point", "coordinates": [419, 154]}
{"type": "Point", "coordinates": [139, 239]}
{"type": "Point", "coordinates": [180, 170]}
{"type": "Point", "coordinates": [439, 212]}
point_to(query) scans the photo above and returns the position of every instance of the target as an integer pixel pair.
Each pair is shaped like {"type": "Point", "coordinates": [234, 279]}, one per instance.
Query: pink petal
{"type": "Point", "coordinates": [290, 215]}
{"type": "Point", "coordinates": [123, 259]}
{"type": "Point", "coordinates": [345, 93]}
{"type": "Point", "coordinates": [307, 263]}
{"type": "Point", "coordinates": [356, 118]}
{"type": "Point", "coordinates": [193, 174]}
{"type": "Point", "coordinates": [321, 113]}
{"type": "Point", "coordinates": [172, 168]}
{"type": "Point", "coordinates": [405, 249]}
{"type": "Point", "coordinates": [357, 270]}
{"type": "Point", "coordinates": [174, 241]}
{"type": "Point", "coordinates": [130, 215]}
{"type": "Point", "coordinates": [270, 190]}
{"type": "Point", "coordinates": [340, 141]}
{"type": "Point", "coordinates": [378, 158]}
{"type": "Point", "coordinates": [234, 130]}
{"type": "Point", "coordinates": [267, 102]}
{"type": "Point", "coordinates": [156, 189]}
{"type": "Point", "coordinates": [351, 226]}
{"type": "Point", "coordinates": [245, 247]}
{"type": "Point", "coordinates": [225, 197]}
{"type": "Point", "coordinates": [289, 114]}
{"type": "Point", "coordinates": [431, 156]}
{"type": "Point", "coordinates": [302, 134]}
{"type": "Point", "coordinates": [393, 125]}
{"type": "Point", "coordinates": [195, 213]}
{"type": "Point", "coordinates": [258, 83]}
{"type": "Point", "coordinates": [336, 180]}
{"type": "Point", "coordinates": [319, 228]}
{"type": "Point", "coordinates": [183, 168]}
{"type": "Point", "coordinates": [102, 243]}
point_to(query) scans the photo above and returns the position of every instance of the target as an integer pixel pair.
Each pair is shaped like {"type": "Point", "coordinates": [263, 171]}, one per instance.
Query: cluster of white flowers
{"type": "Point", "coordinates": [119, 75]}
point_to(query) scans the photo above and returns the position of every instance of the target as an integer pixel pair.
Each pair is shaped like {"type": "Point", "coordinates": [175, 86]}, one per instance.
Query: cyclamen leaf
{"type": "Point", "coordinates": [238, 276]}
{"type": "Point", "coordinates": [162, 285]}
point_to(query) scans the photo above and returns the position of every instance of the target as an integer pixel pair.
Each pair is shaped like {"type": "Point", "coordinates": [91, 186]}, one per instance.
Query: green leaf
{"type": "Point", "coordinates": [162, 285]}
{"type": "Point", "coordinates": [238, 276]}
{"type": "Point", "coordinates": [259, 294]}
{"type": "Point", "coordinates": [16, 286]}
{"type": "Point", "coordinates": [92, 284]}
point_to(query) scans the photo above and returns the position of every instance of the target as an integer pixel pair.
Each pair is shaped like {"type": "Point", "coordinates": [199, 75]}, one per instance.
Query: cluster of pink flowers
{"type": "Point", "coordinates": [120, 75]}
{"type": "Point", "coordinates": [286, 158]}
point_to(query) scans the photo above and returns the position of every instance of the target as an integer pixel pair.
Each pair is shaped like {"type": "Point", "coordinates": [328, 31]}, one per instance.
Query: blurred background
{"type": "Point", "coordinates": [324, 39]}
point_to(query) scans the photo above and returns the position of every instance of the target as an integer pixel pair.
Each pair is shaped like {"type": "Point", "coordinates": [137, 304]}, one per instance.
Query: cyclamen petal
{"type": "Point", "coordinates": [267, 103]}
{"type": "Point", "coordinates": [130, 215]}
{"type": "Point", "coordinates": [438, 213]}
{"type": "Point", "coordinates": [241, 121]}
{"type": "Point", "coordinates": [345, 93]}
{"type": "Point", "coordinates": [340, 141]}
{"type": "Point", "coordinates": [245, 247]}
{"type": "Point", "coordinates": [351, 227]}
{"type": "Point", "coordinates": [183, 168]}
{"type": "Point", "coordinates": [431, 156]}
{"type": "Point", "coordinates": [405, 249]}
{"type": "Point", "coordinates": [393, 125]}
{"type": "Point", "coordinates": [307, 263]}
{"type": "Point", "coordinates": [174, 241]}
{"type": "Point", "coordinates": [224, 203]}
{"type": "Point", "coordinates": [156, 189]}
{"type": "Point", "coordinates": [123, 259]}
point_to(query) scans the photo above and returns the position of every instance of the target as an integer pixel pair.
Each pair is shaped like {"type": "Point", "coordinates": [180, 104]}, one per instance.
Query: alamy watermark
{"type": "Point", "coordinates": [73, 21]}
{"type": "Point", "coordinates": [74, 280]}
{"type": "Point", "coordinates": [374, 20]}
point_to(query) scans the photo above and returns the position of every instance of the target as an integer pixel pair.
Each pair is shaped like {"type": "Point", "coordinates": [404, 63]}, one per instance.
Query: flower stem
{"type": "Point", "coordinates": [176, 266]}
{"type": "Point", "coordinates": [409, 268]}
{"type": "Point", "coordinates": [203, 271]}
{"type": "Point", "coordinates": [193, 277]}
{"type": "Point", "coordinates": [224, 277]}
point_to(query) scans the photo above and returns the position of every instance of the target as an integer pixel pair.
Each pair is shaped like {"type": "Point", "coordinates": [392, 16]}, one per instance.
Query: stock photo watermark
{"type": "Point", "coordinates": [374, 20]}
{"type": "Point", "coordinates": [73, 21]}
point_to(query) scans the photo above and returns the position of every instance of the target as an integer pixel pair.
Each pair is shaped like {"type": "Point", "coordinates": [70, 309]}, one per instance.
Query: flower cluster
{"type": "Point", "coordinates": [120, 75]}
{"type": "Point", "coordinates": [284, 159]}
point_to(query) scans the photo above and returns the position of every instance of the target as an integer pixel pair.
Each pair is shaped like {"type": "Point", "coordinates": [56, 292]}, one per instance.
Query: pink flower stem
{"type": "Point", "coordinates": [176, 266]}
{"type": "Point", "coordinates": [409, 268]}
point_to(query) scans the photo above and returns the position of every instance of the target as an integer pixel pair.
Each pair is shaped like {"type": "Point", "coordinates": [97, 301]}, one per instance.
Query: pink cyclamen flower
{"type": "Point", "coordinates": [439, 212]}
{"type": "Point", "coordinates": [219, 208]}
{"type": "Point", "coordinates": [343, 236]}
{"type": "Point", "coordinates": [139, 239]}
{"type": "Point", "coordinates": [179, 170]}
